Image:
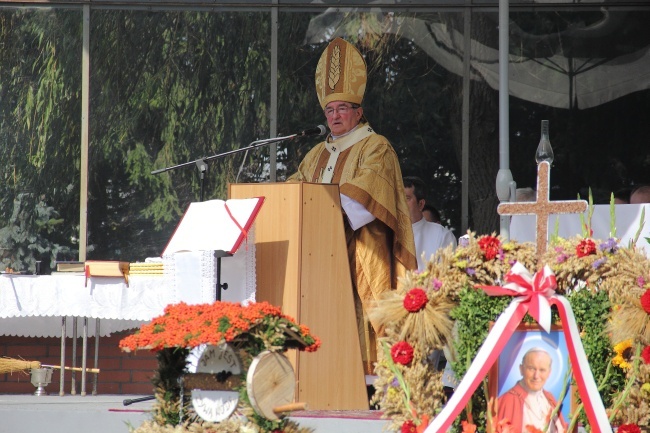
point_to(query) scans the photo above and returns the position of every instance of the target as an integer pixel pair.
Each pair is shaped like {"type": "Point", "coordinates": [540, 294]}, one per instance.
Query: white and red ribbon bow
{"type": "Point", "coordinates": [534, 291]}
{"type": "Point", "coordinates": [534, 294]}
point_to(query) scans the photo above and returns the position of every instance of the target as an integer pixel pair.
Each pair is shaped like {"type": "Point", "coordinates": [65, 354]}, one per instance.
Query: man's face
{"type": "Point", "coordinates": [341, 117]}
{"type": "Point", "coordinates": [415, 206]}
{"type": "Point", "coordinates": [535, 369]}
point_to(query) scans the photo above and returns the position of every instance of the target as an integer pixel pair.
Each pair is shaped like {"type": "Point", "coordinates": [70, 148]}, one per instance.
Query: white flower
{"type": "Point", "coordinates": [579, 285]}
{"type": "Point", "coordinates": [249, 428]}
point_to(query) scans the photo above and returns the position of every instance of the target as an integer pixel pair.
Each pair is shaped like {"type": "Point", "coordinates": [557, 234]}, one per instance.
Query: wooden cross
{"type": "Point", "coordinates": [542, 208]}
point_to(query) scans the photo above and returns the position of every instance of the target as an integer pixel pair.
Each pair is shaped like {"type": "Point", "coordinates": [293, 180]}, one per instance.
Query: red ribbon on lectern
{"type": "Point", "coordinates": [243, 230]}
{"type": "Point", "coordinates": [533, 295]}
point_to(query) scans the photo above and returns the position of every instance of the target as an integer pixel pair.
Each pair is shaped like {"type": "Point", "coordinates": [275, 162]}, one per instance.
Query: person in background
{"type": "Point", "coordinates": [640, 194]}
{"type": "Point", "coordinates": [622, 196]}
{"type": "Point", "coordinates": [429, 237]}
{"type": "Point", "coordinates": [365, 166]}
{"type": "Point", "coordinates": [525, 194]}
{"type": "Point", "coordinates": [431, 214]}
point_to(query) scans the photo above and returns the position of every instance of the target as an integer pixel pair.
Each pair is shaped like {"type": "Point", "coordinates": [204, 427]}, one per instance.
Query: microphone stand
{"type": "Point", "coordinates": [252, 145]}
{"type": "Point", "coordinates": [202, 166]}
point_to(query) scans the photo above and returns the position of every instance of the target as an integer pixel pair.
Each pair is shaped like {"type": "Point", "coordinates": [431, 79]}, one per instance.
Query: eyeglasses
{"type": "Point", "coordinates": [342, 110]}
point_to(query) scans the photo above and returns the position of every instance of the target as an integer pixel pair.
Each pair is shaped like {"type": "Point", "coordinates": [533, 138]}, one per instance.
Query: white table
{"type": "Point", "coordinates": [32, 306]}
{"type": "Point", "coordinates": [37, 306]}
{"type": "Point", "coordinates": [627, 220]}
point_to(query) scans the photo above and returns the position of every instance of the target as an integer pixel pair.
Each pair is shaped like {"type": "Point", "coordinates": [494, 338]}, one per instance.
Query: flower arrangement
{"type": "Point", "coordinates": [443, 308]}
{"type": "Point", "coordinates": [249, 329]}
{"type": "Point", "coordinates": [261, 325]}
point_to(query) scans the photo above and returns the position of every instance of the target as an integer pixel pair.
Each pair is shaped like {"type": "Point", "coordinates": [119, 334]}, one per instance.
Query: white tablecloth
{"type": "Point", "coordinates": [627, 220]}
{"type": "Point", "coordinates": [32, 306]}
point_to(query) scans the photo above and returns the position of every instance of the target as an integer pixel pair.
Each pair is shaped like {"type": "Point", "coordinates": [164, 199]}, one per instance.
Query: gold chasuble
{"type": "Point", "coordinates": [365, 166]}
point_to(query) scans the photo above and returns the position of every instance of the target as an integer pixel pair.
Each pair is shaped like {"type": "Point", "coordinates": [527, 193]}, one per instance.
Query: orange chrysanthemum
{"type": "Point", "coordinates": [183, 325]}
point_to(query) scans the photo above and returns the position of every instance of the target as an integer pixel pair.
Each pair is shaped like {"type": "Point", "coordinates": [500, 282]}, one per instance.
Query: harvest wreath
{"type": "Point", "coordinates": [446, 306]}
{"type": "Point", "coordinates": [249, 330]}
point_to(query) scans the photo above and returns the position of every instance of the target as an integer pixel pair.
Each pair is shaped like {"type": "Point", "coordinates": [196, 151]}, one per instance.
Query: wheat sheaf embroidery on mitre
{"type": "Point", "coordinates": [335, 67]}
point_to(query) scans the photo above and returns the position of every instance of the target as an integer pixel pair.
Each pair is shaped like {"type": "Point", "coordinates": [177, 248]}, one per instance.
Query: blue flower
{"type": "Point", "coordinates": [597, 263]}
{"type": "Point", "coordinates": [470, 271]}
{"type": "Point", "coordinates": [609, 246]}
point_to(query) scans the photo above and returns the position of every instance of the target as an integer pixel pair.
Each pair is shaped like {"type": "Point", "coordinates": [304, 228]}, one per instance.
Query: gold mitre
{"type": "Point", "coordinates": [340, 74]}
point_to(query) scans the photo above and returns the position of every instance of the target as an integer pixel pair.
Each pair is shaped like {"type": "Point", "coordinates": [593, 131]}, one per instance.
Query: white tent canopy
{"type": "Point", "coordinates": [556, 81]}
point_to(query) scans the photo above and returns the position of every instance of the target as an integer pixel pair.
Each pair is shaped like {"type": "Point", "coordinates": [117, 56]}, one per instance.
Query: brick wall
{"type": "Point", "coordinates": [120, 373]}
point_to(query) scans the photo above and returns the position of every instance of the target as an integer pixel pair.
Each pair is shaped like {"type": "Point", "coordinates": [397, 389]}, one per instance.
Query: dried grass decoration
{"type": "Point", "coordinates": [420, 314]}
{"type": "Point", "coordinates": [10, 365]}
{"type": "Point", "coordinates": [607, 284]}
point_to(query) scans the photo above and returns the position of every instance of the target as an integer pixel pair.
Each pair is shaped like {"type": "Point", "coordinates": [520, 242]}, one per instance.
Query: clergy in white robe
{"type": "Point", "coordinates": [429, 237]}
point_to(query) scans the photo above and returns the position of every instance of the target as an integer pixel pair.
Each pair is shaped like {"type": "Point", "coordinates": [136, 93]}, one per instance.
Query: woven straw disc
{"type": "Point", "coordinates": [270, 382]}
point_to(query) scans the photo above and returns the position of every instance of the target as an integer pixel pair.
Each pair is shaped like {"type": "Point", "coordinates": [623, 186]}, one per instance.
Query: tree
{"type": "Point", "coordinates": [169, 87]}
{"type": "Point", "coordinates": [40, 72]}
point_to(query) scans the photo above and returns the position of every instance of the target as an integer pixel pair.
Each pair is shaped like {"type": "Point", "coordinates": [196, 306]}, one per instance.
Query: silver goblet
{"type": "Point", "coordinates": [41, 377]}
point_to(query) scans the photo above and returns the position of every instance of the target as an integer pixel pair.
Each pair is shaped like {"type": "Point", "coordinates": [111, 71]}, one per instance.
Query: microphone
{"type": "Point", "coordinates": [317, 130]}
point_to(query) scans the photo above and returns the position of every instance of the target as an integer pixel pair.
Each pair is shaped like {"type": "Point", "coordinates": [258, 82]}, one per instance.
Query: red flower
{"type": "Point", "coordinates": [408, 427]}
{"type": "Point", "coordinates": [415, 300]}
{"type": "Point", "coordinates": [468, 427]}
{"type": "Point", "coordinates": [402, 353]}
{"type": "Point", "coordinates": [645, 354]}
{"type": "Point", "coordinates": [490, 246]}
{"type": "Point", "coordinates": [629, 428]}
{"type": "Point", "coordinates": [645, 301]}
{"type": "Point", "coordinates": [504, 426]}
{"type": "Point", "coordinates": [586, 247]}
{"type": "Point", "coordinates": [313, 347]}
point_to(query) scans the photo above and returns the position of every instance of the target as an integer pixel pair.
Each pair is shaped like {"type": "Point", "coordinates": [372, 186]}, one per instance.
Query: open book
{"type": "Point", "coordinates": [215, 225]}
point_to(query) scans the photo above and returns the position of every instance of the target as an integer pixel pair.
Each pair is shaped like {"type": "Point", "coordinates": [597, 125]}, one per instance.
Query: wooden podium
{"type": "Point", "coordinates": [302, 266]}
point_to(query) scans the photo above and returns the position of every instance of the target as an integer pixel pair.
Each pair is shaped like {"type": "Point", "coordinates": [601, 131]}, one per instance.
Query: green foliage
{"type": "Point", "coordinates": [26, 237]}
{"type": "Point", "coordinates": [172, 86]}
{"type": "Point", "coordinates": [39, 124]}
{"type": "Point", "coordinates": [168, 87]}
{"type": "Point", "coordinates": [265, 425]}
{"type": "Point", "coordinates": [476, 311]}
{"type": "Point", "coordinates": [591, 310]}
{"type": "Point", "coordinates": [179, 86]}
{"type": "Point", "coordinates": [473, 316]}
{"type": "Point", "coordinates": [167, 383]}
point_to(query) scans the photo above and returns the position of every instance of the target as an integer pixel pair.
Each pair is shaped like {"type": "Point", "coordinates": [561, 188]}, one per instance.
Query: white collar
{"type": "Point", "coordinates": [335, 137]}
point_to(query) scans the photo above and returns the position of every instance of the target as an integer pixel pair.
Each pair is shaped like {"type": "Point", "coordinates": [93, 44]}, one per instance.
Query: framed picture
{"type": "Point", "coordinates": [506, 372]}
